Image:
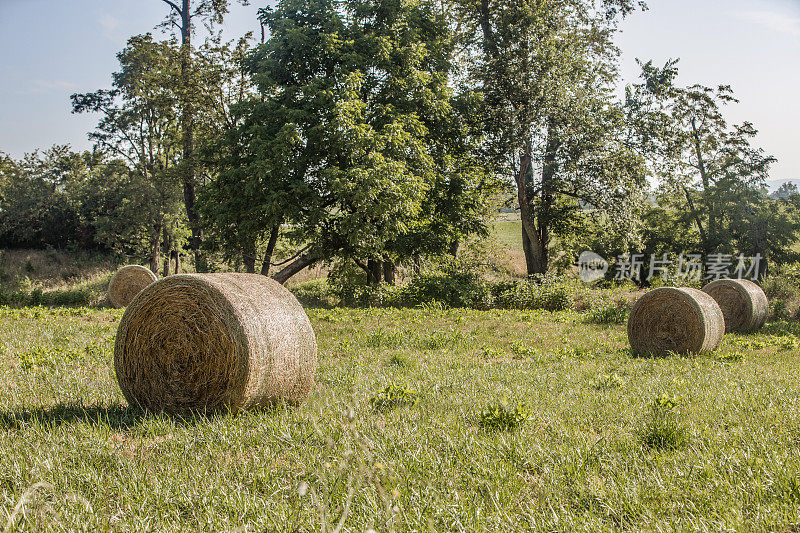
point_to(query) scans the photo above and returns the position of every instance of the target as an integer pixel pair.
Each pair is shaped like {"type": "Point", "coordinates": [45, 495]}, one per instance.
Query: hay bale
{"type": "Point", "coordinates": [675, 320]}
{"type": "Point", "coordinates": [127, 282]}
{"type": "Point", "coordinates": [744, 304]}
{"type": "Point", "coordinates": [214, 342]}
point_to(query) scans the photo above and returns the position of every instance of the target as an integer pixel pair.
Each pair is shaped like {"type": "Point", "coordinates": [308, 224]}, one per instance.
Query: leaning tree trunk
{"type": "Point", "coordinates": [294, 267]}
{"type": "Point", "coordinates": [273, 240]}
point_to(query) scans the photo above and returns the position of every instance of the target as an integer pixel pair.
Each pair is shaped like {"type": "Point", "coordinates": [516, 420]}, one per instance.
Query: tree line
{"type": "Point", "coordinates": [378, 133]}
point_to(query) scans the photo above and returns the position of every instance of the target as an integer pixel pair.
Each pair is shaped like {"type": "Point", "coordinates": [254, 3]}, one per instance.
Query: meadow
{"type": "Point", "coordinates": [425, 419]}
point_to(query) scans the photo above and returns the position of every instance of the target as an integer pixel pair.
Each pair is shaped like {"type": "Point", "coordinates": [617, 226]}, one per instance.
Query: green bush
{"type": "Point", "coordinates": [452, 284]}
{"type": "Point", "coordinates": [551, 294]}
{"type": "Point", "coordinates": [314, 293]}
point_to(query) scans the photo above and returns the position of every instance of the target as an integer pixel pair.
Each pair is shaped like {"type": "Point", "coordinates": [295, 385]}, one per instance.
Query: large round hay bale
{"type": "Point", "coordinates": [127, 282]}
{"type": "Point", "coordinates": [214, 342]}
{"type": "Point", "coordinates": [675, 320]}
{"type": "Point", "coordinates": [744, 304]}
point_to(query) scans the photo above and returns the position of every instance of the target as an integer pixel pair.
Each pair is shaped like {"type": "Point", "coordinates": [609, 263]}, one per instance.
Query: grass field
{"type": "Point", "coordinates": [595, 452]}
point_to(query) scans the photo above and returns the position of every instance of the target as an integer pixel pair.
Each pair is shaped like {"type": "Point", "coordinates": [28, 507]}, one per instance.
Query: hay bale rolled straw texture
{"type": "Point", "coordinates": [212, 342]}
{"type": "Point", "coordinates": [675, 320]}
{"type": "Point", "coordinates": [127, 282]}
{"type": "Point", "coordinates": [744, 304]}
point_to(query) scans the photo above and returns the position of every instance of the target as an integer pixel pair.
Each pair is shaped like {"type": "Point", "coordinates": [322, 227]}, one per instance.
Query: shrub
{"type": "Point", "coordinates": [313, 293]}
{"type": "Point", "coordinates": [551, 294]}
{"type": "Point", "coordinates": [451, 284]}
{"type": "Point", "coordinates": [393, 396]}
{"type": "Point", "coordinates": [663, 429]}
{"type": "Point", "coordinates": [504, 416]}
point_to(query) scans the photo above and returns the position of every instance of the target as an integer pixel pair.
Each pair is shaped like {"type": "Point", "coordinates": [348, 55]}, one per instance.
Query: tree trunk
{"type": "Point", "coordinates": [155, 246]}
{"type": "Point", "coordinates": [541, 246]}
{"type": "Point", "coordinates": [177, 262]}
{"type": "Point", "coordinates": [374, 271]}
{"type": "Point", "coordinates": [249, 256]}
{"type": "Point", "coordinates": [307, 259]}
{"type": "Point", "coordinates": [389, 271]}
{"type": "Point", "coordinates": [454, 247]}
{"type": "Point", "coordinates": [187, 127]}
{"type": "Point", "coordinates": [536, 257]}
{"type": "Point", "coordinates": [167, 249]}
{"type": "Point", "coordinates": [273, 240]}
{"type": "Point", "coordinates": [710, 236]}
{"type": "Point", "coordinates": [530, 265]}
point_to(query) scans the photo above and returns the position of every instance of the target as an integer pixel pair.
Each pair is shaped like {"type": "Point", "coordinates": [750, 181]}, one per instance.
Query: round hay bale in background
{"type": "Point", "coordinates": [744, 304]}
{"type": "Point", "coordinates": [127, 282]}
{"type": "Point", "coordinates": [214, 342]}
{"type": "Point", "coordinates": [675, 320]}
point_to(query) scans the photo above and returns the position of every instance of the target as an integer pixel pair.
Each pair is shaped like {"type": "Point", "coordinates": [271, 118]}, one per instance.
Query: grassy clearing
{"type": "Point", "coordinates": [394, 437]}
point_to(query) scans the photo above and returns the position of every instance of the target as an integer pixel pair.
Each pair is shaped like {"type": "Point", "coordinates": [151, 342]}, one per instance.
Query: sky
{"type": "Point", "coordinates": [50, 49]}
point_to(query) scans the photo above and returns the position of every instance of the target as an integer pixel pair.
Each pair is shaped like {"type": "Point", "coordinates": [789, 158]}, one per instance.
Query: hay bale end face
{"type": "Point", "coordinates": [744, 304]}
{"type": "Point", "coordinates": [675, 320]}
{"type": "Point", "coordinates": [127, 282]}
{"type": "Point", "coordinates": [211, 342]}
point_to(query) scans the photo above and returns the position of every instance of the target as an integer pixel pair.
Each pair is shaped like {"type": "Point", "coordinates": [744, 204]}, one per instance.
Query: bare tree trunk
{"type": "Point", "coordinates": [177, 262]}
{"type": "Point", "coordinates": [273, 240]}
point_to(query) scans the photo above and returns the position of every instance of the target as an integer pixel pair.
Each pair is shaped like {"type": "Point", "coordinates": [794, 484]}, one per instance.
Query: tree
{"type": "Point", "coordinates": [695, 152]}
{"type": "Point", "coordinates": [140, 126]}
{"type": "Point", "coordinates": [547, 70]}
{"type": "Point", "coordinates": [181, 16]}
{"type": "Point", "coordinates": [38, 205]}
{"type": "Point", "coordinates": [355, 131]}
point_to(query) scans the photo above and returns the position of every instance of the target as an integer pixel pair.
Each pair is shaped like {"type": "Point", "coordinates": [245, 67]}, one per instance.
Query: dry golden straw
{"type": "Point", "coordinates": [127, 282]}
{"type": "Point", "coordinates": [214, 342]}
{"type": "Point", "coordinates": [743, 303]}
{"type": "Point", "coordinates": [675, 320]}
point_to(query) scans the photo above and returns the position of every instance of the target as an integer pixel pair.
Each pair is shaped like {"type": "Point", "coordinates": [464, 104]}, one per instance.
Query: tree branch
{"type": "Point", "coordinates": [174, 6]}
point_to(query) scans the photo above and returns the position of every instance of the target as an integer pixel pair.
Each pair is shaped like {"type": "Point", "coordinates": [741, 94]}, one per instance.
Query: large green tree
{"type": "Point", "coordinates": [547, 71]}
{"type": "Point", "coordinates": [357, 141]}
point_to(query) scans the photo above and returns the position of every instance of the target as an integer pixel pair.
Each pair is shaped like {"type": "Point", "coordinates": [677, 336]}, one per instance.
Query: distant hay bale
{"type": "Point", "coordinates": [675, 320]}
{"type": "Point", "coordinates": [213, 342]}
{"type": "Point", "coordinates": [127, 282]}
{"type": "Point", "coordinates": [744, 304]}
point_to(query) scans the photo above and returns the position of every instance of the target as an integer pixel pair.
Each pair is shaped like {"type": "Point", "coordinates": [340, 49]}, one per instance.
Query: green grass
{"type": "Point", "coordinates": [583, 456]}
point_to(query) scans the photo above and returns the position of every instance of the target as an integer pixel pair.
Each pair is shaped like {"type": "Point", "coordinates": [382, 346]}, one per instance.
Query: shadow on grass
{"type": "Point", "coordinates": [114, 416]}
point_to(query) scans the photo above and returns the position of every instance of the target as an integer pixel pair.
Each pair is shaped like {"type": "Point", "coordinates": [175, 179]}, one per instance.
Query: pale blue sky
{"type": "Point", "coordinates": [50, 49]}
